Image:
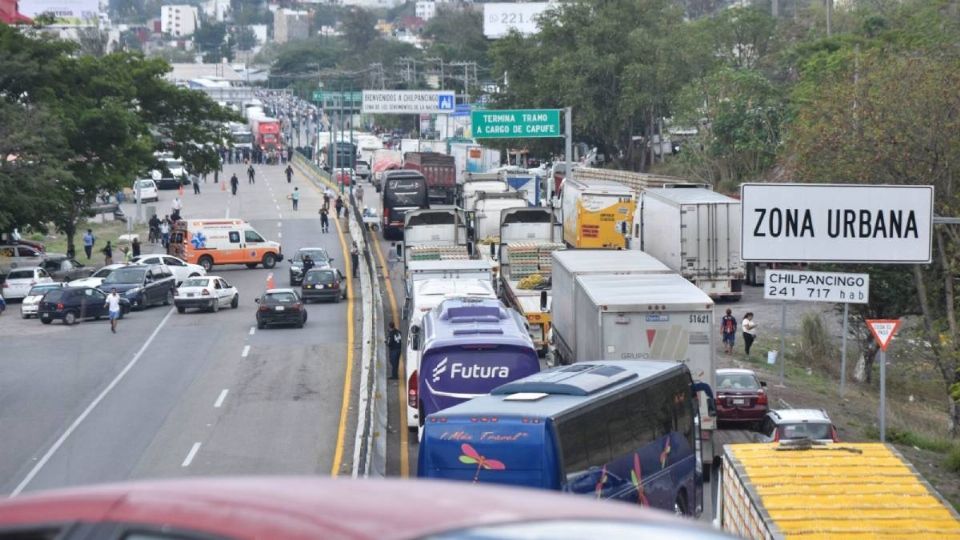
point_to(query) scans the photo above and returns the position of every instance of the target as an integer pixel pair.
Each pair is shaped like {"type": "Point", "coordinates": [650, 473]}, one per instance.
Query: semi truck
{"type": "Point", "coordinates": [636, 181]}
{"type": "Point", "coordinates": [834, 490]}
{"type": "Point", "coordinates": [695, 232]}
{"type": "Point", "coordinates": [473, 158]}
{"type": "Point", "coordinates": [266, 133]}
{"type": "Point", "coordinates": [440, 170]}
{"type": "Point", "coordinates": [596, 213]}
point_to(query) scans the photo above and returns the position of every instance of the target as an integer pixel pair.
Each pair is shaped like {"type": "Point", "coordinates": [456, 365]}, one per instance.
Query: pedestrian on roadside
{"type": "Point", "coordinates": [295, 198]}
{"type": "Point", "coordinates": [165, 232]}
{"type": "Point", "coordinates": [289, 171]}
{"type": "Point", "coordinates": [355, 260]}
{"type": "Point", "coordinates": [126, 254]}
{"type": "Point", "coordinates": [326, 199]}
{"type": "Point", "coordinates": [394, 341]}
{"type": "Point", "coordinates": [196, 184]}
{"type": "Point", "coordinates": [251, 175]}
{"type": "Point", "coordinates": [88, 241]}
{"type": "Point", "coordinates": [154, 229]}
{"type": "Point", "coordinates": [358, 193]}
{"type": "Point", "coordinates": [324, 219]}
{"type": "Point", "coordinates": [234, 183]}
{"type": "Point", "coordinates": [176, 205]}
{"type": "Point", "coordinates": [728, 329]}
{"type": "Point", "coordinates": [135, 247]}
{"type": "Point", "coordinates": [107, 254]}
{"type": "Point", "coordinates": [113, 307]}
{"type": "Point", "coordinates": [339, 206]}
{"type": "Point", "coordinates": [749, 332]}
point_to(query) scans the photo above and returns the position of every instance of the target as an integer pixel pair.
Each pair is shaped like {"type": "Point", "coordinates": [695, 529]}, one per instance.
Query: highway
{"type": "Point", "coordinates": [185, 394]}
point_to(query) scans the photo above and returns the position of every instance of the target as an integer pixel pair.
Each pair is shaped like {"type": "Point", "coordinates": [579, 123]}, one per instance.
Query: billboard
{"type": "Point", "coordinates": [408, 102]}
{"type": "Point", "coordinates": [852, 223]}
{"type": "Point", "coordinates": [65, 12]}
{"type": "Point", "coordinates": [500, 18]}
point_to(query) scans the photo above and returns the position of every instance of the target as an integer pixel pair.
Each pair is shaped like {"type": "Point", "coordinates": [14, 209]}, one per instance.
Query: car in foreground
{"type": "Point", "coordinates": [324, 284]}
{"type": "Point", "coordinates": [72, 304]}
{"type": "Point", "coordinates": [97, 277]}
{"type": "Point", "coordinates": [148, 190]}
{"type": "Point", "coordinates": [294, 508]}
{"type": "Point", "coordinates": [797, 424]}
{"type": "Point", "coordinates": [205, 292]}
{"type": "Point", "coordinates": [741, 397]}
{"type": "Point", "coordinates": [66, 269]}
{"type": "Point", "coordinates": [280, 306]}
{"type": "Point", "coordinates": [142, 285]}
{"type": "Point", "coordinates": [319, 257]}
{"type": "Point", "coordinates": [19, 281]}
{"type": "Point", "coordinates": [31, 303]}
{"type": "Point", "coordinates": [180, 268]}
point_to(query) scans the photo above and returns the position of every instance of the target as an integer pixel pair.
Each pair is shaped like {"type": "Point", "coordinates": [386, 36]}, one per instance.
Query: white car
{"type": "Point", "coordinates": [148, 190]}
{"type": "Point", "coordinates": [181, 269]}
{"type": "Point", "coordinates": [206, 292]}
{"type": "Point", "coordinates": [96, 278]}
{"type": "Point", "coordinates": [31, 302]}
{"type": "Point", "coordinates": [20, 280]}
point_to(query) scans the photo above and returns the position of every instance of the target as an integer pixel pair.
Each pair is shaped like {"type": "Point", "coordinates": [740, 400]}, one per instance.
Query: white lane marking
{"type": "Point", "coordinates": [223, 396]}
{"type": "Point", "coordinates": [253, 329]}
{"type": "Point", "coordinates": [246, 351]}
{"type": "Point", "coordinates": [278, 206]}
{"type": "Point", "coordinates": [279, 235]}
{"type": "Point", "coordinates": [279, 224]}
{"type": "Point", "coordinates": [86, 412]}
{"type": "Point", "coordinates": [190, 455]}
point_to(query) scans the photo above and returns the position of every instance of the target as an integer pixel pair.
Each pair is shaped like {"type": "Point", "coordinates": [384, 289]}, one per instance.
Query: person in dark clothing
{"type": "Point", "coordinates": [136, 247]}
{"type": "Point", "coordinates": [728, 330]}
{"type": "Point", "coordinates": [339, 205]}
{"type": "Point", "coordinates": [324, 219]}
{"type": "Point", "coordinates": [234, 183]}
{"type": "Point", "coordinates": [355, 260]}
{"type": "Point", "coordinates": [251, 175]}
{"type": "Point", "coordinates": [394, 342]}
{"type": "Point", "coordinates": [307, 264]}
{"type": "Point", "coordinates": [289, 171]}
{"type": "Point", "coordinates": [196, 186]}
{"type": "Point", "coordinates": [107, 254]}
{"type": "Point", "coordinates": [154, 229]}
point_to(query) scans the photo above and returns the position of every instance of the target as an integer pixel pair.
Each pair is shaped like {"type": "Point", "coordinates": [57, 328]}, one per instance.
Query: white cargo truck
{"type": "Point", "coordinates": [434, 234]}
{"type": "Point", "coordinates": [484, 222]}
{"type": "Point", "coordinates": [696, 232]}
{"type": "Point", "coordinates": [475, 183]}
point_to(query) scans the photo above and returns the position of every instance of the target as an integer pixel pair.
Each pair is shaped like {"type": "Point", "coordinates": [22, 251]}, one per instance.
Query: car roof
{"type": "Point", "coordinates": [272, 291]}
{"type": "Point", "coordinates": [799, 415]}
{"type": "Point", "coordinates": [735, 371]}
{"type": "Point", "coordinates": [312, 249]}
{"type": "Point", "coordinates": [24, 268]}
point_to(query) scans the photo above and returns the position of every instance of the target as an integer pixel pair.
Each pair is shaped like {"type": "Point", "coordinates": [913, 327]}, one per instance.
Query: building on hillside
{"type": "Point", "coordinates": [216, 9]}
{"type": "Point", "coordinates": [259, 30]}
{"type": "Point", "coordinates": [370, 4]}
{"type": "Point", "coordinates": [426, 9]}
{"type": "Point", "coordinates": [10, 13]}
{"type": "Point", "coordinates": [179, 20]}
{"type": "Point", "coordinates": [290, 25]}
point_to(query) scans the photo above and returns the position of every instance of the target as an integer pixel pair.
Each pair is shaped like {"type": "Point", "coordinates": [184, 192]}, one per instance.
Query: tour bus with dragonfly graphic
{"type": "Point", "coordinates": [624, 430]}
{"type": "Point", "coordinates": [470, 346]}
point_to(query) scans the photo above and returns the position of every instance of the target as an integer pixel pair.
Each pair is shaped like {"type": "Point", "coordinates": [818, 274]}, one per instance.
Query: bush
{"type": "Point", "coordinates": [923, 442]}
{"type": "Point", "coordinates": [815, 347]}
{"type": "Point", "coordinates": [952, 463]}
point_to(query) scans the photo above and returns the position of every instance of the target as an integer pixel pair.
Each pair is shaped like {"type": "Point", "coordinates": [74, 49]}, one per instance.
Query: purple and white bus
{"type": "Point", "coordinates": [471, 346]}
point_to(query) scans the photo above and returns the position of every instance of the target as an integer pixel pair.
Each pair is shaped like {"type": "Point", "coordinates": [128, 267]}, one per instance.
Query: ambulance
{"type": "Point", "coordinates": [222, 241]}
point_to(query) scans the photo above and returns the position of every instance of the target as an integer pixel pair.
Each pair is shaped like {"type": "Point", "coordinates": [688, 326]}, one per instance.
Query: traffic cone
{"type": "Point", "coordinates": [270, 282]}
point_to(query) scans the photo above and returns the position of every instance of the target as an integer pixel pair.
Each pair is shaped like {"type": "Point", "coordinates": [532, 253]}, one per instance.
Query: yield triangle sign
{"type": "Point", "coordinates": [883, 330]}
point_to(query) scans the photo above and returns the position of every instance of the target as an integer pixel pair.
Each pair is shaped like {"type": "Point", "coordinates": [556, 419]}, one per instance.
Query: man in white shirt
{"type": "Point", "coordinates": [113, 305]}
{"type": "Point", "coordinates": [176, 205]}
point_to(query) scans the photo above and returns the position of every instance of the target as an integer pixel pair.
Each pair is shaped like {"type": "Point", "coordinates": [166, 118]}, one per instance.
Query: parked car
{"type": "Point", "coordinates": [72, 304]}
{"type": "Point", "coordinates": [170, 182]}
{"type": "Point", "coordinates": [280, 306]}
{"type": "Point", "coordinates": [363, 169]}
{"type": "Point", "coordinates": [142, 285]}
{"type": "Point", "coordinates": [181, 269]}
{"type": "Point", "coordinates": [320, 260]}
{"type": "Point", "coordinates": [66, 269]}
{"type": "Point", "coordinates": [741, 397]}
{"type": "Point", "coordinates": [31, 302]}
{"type": "Point", "coordinates": [324, 284]}
{"type": "Point", "coordinates": [148, 190]}
{"type": "Point", "coordinates": [18, 256]}
{"type": "Point", "coordinates": [795, 424]}
{"type": "Point", "coordinates": [205, 292]}
{"type": "Point", "coordinates": [97, 277]}
{"type": "Point", "coordinates": [19, 281]}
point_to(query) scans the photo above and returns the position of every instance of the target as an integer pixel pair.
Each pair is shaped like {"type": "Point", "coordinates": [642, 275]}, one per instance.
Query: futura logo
{"type": "Point", "coordinates": [439, 369]}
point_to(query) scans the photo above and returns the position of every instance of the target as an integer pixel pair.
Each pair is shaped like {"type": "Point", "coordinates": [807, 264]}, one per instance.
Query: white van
{"type": "Point", "coordinates": [148, 190]}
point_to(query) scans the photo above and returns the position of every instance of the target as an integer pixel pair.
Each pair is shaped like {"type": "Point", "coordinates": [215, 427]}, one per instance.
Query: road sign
{"type": "Point", "coordinates": [883, 330]}
{"type": "Point", "coordinates": [408, 102]}
{"type": "Point", "coordinates": [836, 223]}
{"type": "Point", "coordinates": [349, 101]}
{"type": "Point", "coordinates": [499, 18]}
{"type": "Point", "coordinates": [816, 286]}
{"type": "Point", "coordinates": [516, 124]}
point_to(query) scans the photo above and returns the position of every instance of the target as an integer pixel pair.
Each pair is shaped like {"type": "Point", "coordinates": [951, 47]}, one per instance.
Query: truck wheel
{"type": "Point", "coordinates": [269, 260]}
{"type": "Point", "coordinates": [206, 262]}
{"type": "Point", "coordinates": [181, 309]}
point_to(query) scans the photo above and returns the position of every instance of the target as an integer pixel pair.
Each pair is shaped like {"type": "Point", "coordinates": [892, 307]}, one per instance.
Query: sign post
{"type": "Point", "coordinates": [883, 331]}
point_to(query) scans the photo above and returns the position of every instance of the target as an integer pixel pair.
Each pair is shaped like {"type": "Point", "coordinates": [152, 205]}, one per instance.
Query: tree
{"type": "Point", "coordinates": [246, 39]}
{"type": "Point", "coordinates": [457, 35]}
{"type": "Point", "coordinates": [359, 29]}
{"type": "Point", "coordinates": [210, 37]}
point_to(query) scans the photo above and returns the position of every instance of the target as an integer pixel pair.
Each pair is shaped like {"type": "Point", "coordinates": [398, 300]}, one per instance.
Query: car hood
{"type": "Point", "coordinates": [86, 282]}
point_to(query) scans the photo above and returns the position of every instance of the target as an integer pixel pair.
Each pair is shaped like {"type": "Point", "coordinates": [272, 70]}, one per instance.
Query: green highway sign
{"type": "Point", "coordinates": [516, 123]}
{"type": "Point", "coordinates": [333, 100]}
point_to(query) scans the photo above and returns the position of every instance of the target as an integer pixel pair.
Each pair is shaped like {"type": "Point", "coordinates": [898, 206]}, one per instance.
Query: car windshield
{"type": "Point", "coordinates": [53, 295]}
{"type": "Point", "coordinates": [323, 276]}
{"type": "Point", "coordinates": [40, 290]}
{"type": "Point", "coordinates": [805, 430]}
{"type": "Point", "coordinates": [736, 381]}
{"type": "Point", "coordinates": [20, 274]}
{"type": "Point", "coordinates": [126, 275]}
{"type": "Point", "coordinates": [103, 272]}
{"type": "Point", "coordinates": [316, 254]}
{"type": "Point", "coordinates": [196, 282]}
{"type": "Point", "coordinates": [281, 298]}
{"type": "Point", "coordinates": [145, 184]}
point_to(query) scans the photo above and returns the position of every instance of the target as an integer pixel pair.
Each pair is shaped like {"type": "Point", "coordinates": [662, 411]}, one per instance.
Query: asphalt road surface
{"type": "Point", "coordinates": [189, 394]}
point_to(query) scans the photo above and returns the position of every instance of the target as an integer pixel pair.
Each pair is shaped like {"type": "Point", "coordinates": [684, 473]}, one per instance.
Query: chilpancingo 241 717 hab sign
{"type": "Point", "coordinates": [836, 223]}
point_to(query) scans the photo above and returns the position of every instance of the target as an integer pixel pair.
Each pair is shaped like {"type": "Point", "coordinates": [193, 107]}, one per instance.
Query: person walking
{"type": "Point", "coordinates": [165, 232]}
{"type": "Point", "coordinates": [234, 183]}
{"type": "Point", "coordinates": [135, 247]}
{"type": "Point", "coordinates": [176, 206]}
{"type": "Point", "coordinates": [113, 307]}
{"type": "Point", "coordinates": [295, 198]}
{"type": "Point", "coordinates": [251, 175]}
{"type": "Point", "coordinates": [88, 241]}
{"type": "Point", "coordinates": [324, 219]}
{"type": "Point", "coordinates": [394, 342]}
{"type": "Point", "coordinates": [358, 193]}
{"type": "Point", "coordinates": [107, 254]}
{"type": "Point", "coordinates": [196, 184]}
{"type": "Point", "coordinates": [749, 332]}
{"type": "Point", "coordinates": [289, 172]}
{"type": "Point", "coordinates": [339, 206]}
{"type": "Point", "coordinates": [326, 199]}
{"type": "Point", "coordinates": [355, 260]}
{"type": "Point", "coordinates": [728, 330]}
{"type": "Point", "coordinates": [154, 229]}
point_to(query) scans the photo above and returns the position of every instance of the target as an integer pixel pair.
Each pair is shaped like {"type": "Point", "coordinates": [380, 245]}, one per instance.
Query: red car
{"type": "Point", "coordinates": [329, 508]}
{"type": "Point", "coordinates": [740, 396]}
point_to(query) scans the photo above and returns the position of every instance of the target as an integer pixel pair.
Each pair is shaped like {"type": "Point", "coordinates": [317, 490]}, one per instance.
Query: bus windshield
{"type": "Point", "coordinates": [405, 192]}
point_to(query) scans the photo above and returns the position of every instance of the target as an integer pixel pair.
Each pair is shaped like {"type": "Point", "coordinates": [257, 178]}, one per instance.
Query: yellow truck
{"type": "Point", "coordinates": [596, 213]}
{"type": "Point", "coordinates": [833, 490]}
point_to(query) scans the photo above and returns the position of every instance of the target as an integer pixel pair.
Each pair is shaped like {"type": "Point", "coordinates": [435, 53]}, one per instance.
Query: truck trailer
{"type": "Point", "coordinates": [596, 213]}
{"type": "Point", "coordinates": [440, 170]}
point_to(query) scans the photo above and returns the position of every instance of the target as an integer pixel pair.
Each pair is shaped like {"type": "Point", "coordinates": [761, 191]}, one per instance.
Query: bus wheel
{"type": "Point", "coordinates": [206, 262]}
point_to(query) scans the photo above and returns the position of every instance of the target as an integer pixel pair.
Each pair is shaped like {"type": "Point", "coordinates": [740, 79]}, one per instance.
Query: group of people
{"type": "Point", "coordinates": [129, 252]}
{"type": "Point", "coordinates": [328, 196]}
{"type": "Point", "coordinates": [160, 228]}
{"type": "Point", "coordinates": [728, 329]}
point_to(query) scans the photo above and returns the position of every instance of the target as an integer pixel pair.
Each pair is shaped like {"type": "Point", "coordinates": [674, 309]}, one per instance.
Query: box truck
{"type": "Point", "coordinates": [596, 213]}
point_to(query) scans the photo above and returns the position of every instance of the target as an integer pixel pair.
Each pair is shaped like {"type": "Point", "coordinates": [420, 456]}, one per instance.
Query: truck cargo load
{"type": "Point", "coordinates": [596, 213]}
{"type": "Point", "coordinates": [439, 170]}
{"type": "Point", "coordinates": [475, 183]}
{"type": "Point", "coordinates": [434, 234]}
{"type": "Point", "coordinates": [483, 224]}
{"type": "Point", "coordinates": [835, 490]}
{"type": "Point", "coordinates": [695, 232]}
{"type": "Point", "coordinates": [637, 181]}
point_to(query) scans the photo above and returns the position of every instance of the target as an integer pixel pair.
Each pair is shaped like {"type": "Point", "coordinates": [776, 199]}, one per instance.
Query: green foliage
{"type": "Point", "coordinates": [359, 29]}
{"type": "Point", "coordinates": [210, 37]}
{"type": "Point", "coordinates": [246, 39]}
{"type": "Point", "coordinates": [952, 463]}
{"type": "Point", "coordinates": [457, 36]}
{"type": "Point", "coordinates": [816, 348]}
{"type": "Point", "coordinates": [904, 437]}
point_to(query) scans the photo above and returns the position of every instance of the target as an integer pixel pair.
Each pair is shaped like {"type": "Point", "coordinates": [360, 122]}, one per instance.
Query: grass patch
{"type": "Point", "coordinates": [952, 463]}
{"type": "Point", "coordinates": [916, 440]}
{"type": "Point", "coordinates": [103, 231]}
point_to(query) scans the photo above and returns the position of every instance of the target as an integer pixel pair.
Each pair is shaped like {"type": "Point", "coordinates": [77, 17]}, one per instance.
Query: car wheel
{"type": "Point", "coordinates": [69, 318]}
{"type": "Point", "coordinates": [269, 260]}
{"type": "Point", "coordinates": [301, 323]}
{"type": "Point", "coordinates": [24, 316]}
{"type": "Point", "coordinates": [215, 306]}
{"type": "Point", "coordinates": [46, 320]}
{"type": "Point", "coordinates": [181, 309]}
{"type": "Point", "coordinates": [235, 303]}
{"type": "Point", "coordinates": [168, 299]}
{"type": "Point", "coordinates": [206, 262]}
{"type": "Point", "coordinates": [336, 299]}
{"type": "Point", "coordinates": [260, 324]}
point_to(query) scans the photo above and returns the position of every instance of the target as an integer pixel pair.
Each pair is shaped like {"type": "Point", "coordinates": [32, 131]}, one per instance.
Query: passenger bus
{"type": "Point", "coordinates": [469, 347]}
{"type": "Point", "coordinates": [623, 430]}
{"type": "Point", "coordinates": [403, 191]}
